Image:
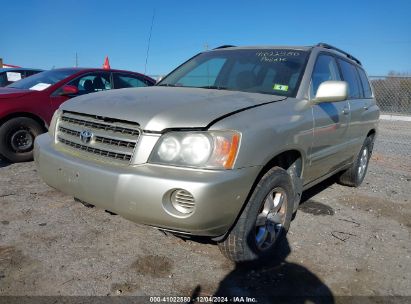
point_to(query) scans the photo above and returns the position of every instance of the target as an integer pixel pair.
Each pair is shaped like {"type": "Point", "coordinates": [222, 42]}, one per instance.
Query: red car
{"type": "Point", "coordinates": [27, 106]}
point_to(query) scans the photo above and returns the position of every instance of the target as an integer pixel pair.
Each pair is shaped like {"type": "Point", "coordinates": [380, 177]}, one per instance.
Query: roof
{"type": "Point", "coordinates": [251, 47]}
{"type": "Point", "coordinates": [87, 68]}
{"type": "Point", "coordinates": [301, 48]}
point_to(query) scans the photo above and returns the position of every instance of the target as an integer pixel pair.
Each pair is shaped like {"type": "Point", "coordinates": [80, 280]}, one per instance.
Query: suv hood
{"type": "Point", "coordinates": [13, 93]}
{"type": "Point", "coordinates": [159, 108]}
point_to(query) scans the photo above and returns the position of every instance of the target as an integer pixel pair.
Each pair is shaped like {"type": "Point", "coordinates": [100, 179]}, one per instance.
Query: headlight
{"type": "Point", "coordinates": [213, 150]}
{"type": "Point", "coordinates": [53, 123]}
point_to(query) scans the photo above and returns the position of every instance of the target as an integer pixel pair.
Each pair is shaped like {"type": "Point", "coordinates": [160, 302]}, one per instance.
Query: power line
{"type": "Point", "coordinates": [149, 40]}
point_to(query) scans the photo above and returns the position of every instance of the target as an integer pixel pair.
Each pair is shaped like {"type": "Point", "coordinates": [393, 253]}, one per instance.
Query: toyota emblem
{"type": "Point", "coordinates": [86, 136]}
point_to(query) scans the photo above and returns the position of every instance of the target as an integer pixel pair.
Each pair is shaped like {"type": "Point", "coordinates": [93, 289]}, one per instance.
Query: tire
{"type": "Point", "coordinates": [354, 176]}
{"type": "Point", "coordinates": [17, 138]}
{"type": "Point", "coordinates": [259, 228]}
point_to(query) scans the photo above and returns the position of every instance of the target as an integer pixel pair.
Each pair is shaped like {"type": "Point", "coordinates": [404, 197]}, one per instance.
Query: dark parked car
{"type": "Point", "coordinates": [8, 76]}
{"type": "Point", "coordinates": [27, 106]}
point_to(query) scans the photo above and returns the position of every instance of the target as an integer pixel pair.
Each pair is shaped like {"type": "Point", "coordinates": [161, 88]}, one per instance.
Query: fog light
{"type": "Point", "coordinates": [183, 201]}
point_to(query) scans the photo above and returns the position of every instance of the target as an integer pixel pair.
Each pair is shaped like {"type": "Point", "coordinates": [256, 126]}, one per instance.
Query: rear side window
{"type": "Point", "coordinates": [29, 73]}
{"type": "Point", "coordinates": [3, 79]}
{"type": "Point", "coordinates": [365, 83]}
{"type": "Point", "coordinates": [127, 81]}
{"type": "Point", "coordinates": [13, 76]}
{"type": "Point", "coordinates": [350, 75]}
{"type": "Point", "coordinates": [325, 69]}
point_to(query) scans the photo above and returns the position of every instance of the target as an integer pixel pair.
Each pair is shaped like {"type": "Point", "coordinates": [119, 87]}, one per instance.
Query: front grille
{"type": "Point", "coordinates": [100, 139]}
{"type": "Point", "coordinates": [96, 125]}
{"type": "Point", "coordinates": [110, 138]}
{"type": "Point", "coordinates": [95, 150]}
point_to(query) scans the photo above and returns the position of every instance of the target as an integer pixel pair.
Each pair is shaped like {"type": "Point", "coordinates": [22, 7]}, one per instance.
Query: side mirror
{"type": "Point", "coordinates": [331, 91]}
{"type": "Point", "coordinates": [68, 90]}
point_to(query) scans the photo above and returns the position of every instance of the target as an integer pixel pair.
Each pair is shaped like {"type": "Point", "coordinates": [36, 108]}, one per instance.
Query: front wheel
{"type": "Point", "coordinates": [264, 220]}
{"type": "Point", "coordinates": [17, 138]}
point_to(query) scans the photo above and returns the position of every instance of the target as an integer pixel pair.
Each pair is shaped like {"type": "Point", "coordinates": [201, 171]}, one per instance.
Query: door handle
{"type": "Point", "coordinates": [345, 111]}
{"type": "Point", "coordinates": [366, 107]}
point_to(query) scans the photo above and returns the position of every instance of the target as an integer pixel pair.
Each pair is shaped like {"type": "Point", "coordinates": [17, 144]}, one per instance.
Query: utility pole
{"type": "Point", "coordinates": [206, 46]}
{"type": "Point", "coordinates": [76, 60]}
{"type": "Point", "coordinates": [1, 63]}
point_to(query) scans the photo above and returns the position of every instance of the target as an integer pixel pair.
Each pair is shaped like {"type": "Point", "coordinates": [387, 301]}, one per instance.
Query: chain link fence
{"type": "Point", "coordinates": [393, 96]}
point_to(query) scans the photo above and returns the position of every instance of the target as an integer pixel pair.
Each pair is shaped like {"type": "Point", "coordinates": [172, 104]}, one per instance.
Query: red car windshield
{"type": "Point", "coordinates": [43, 80]}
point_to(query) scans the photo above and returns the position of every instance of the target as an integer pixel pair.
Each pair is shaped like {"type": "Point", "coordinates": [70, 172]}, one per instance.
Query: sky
{"type": "Point", "coordinates": [48, 33]}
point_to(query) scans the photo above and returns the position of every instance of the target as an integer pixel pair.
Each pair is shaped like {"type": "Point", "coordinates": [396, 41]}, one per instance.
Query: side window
{"type": "Point", "coordinates": [127, 81]}
{"type": "Point", "coordinates": [325, 69]}
{"type": "Point", "coordinates": [350, 75]}
{"type": "Point", "coordinates": [365, 84]}
{"type": "Point", "coordinates": [13, 76]}
{"type": "Point", "coordinates": [206, 72]}
{"type": "Point", "coordinates": [29, 73]}
{"type": "Point", "coordinates": [3, 79]}
{"type": "Point", "coordinates": [92, 82]}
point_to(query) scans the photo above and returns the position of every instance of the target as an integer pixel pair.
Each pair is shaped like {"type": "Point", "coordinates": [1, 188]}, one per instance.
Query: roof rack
{"type": "Point", "coordinates": [223, 46]}
{"type": "Point", "coordinates": [328, 46]}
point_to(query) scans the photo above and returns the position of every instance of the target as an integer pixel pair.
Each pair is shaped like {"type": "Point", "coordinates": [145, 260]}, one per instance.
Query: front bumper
{"type": "Point", "coordinates": [138, 192]}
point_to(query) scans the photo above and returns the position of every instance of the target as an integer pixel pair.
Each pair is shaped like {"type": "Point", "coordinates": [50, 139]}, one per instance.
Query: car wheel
{"type": "Point", "coordinates": [264, 220]}
{"type": "Point", "coordinates": [354, 176]}
{"type": "Point", "coordinates": [17, 138]}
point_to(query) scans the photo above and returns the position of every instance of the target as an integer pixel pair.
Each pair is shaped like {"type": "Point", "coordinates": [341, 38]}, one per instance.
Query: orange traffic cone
{"type": "Point", "coordinates": [106, 64]}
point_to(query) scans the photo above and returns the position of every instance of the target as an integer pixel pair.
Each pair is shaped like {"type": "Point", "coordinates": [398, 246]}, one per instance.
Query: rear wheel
{"type": "Point", "coordinates": [264, 221]}
{"type": "Point", "coordinates": [17, 138]}
{"type": "Point", "coordinates": [355, 175]}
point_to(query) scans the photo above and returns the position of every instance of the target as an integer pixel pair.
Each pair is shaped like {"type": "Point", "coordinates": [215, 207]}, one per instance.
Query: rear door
{"type": "Point", "coordinates": [360, 99]}
{"type": "Point", "coordinates": [331, 120]}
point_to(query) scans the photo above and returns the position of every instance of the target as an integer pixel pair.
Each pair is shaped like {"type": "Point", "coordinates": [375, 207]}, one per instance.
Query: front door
{"type": "Point", "coordinates": [86, 83]}
{"type": "Point", "coordinates": [331, 119]}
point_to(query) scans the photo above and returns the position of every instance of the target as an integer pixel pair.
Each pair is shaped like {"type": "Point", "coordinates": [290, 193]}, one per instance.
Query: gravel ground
{"type": "Point", "coordinates": [343, 241]}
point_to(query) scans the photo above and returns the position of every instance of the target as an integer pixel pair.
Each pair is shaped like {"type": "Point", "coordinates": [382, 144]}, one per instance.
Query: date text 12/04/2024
{"type": "Point", "coordinates": [203, 299]}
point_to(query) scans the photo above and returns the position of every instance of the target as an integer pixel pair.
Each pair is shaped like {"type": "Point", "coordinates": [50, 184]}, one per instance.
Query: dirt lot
{"type": "Point", "coordinates": [343, 241]}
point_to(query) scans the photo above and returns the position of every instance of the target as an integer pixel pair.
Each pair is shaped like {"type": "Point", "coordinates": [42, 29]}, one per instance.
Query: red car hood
{"type": "Point", "coordinates": [13, 93]}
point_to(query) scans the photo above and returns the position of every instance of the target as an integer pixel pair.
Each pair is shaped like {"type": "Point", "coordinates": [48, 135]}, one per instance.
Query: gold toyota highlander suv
{"type": "Point", "coordinates": [222, 147]}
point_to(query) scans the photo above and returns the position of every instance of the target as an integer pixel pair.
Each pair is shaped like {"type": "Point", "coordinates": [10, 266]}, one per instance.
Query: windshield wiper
{"type": "Point", "coordinates": [213, 87]}
{"type": "Point", "coordinates": [166, 85]}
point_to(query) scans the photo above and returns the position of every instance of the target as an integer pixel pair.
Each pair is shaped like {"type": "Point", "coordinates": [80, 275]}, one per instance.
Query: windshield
{"type": "Point", "coordinates": [43, 80]}
{"type": "Point", "coordinates": [268, 71]}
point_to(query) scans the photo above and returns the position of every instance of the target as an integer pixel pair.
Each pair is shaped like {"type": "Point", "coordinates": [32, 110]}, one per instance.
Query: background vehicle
{"type": "Point", "coordinates": [222, 147]}
{"type": "Point", "coordinates": [26, 106]}
{"type": "Point", "coordinates": [10, 75]}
